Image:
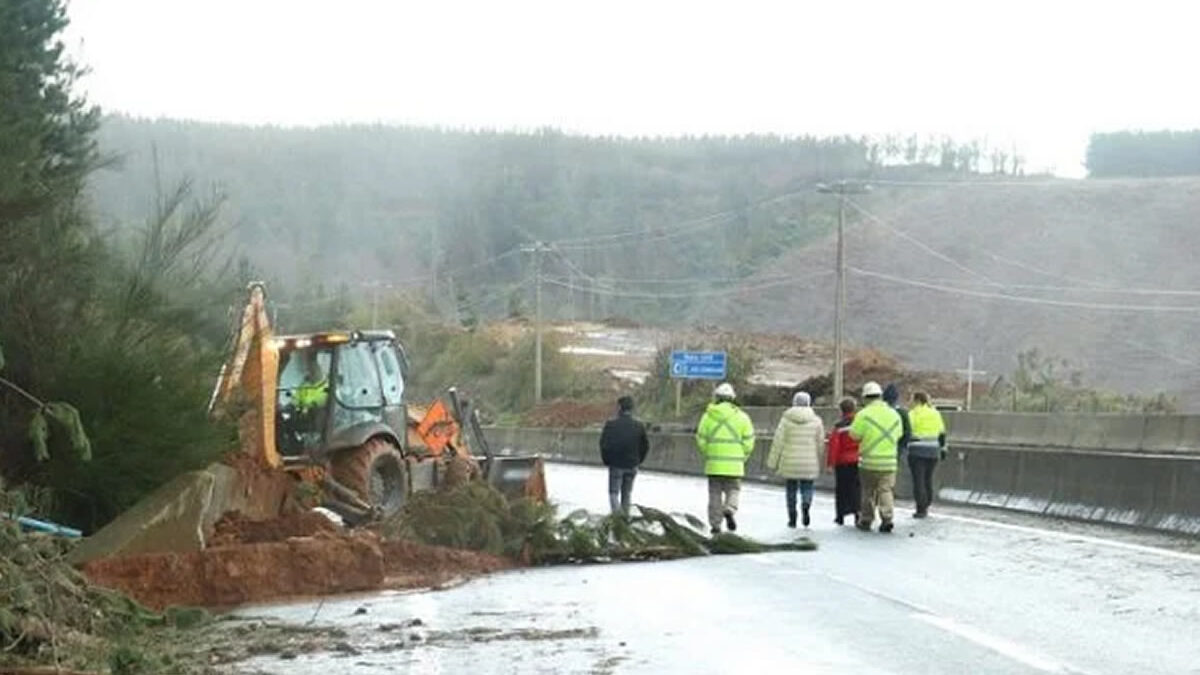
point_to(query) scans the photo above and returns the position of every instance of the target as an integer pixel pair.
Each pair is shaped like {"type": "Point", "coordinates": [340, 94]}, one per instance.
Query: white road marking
{"type": "Point", "coordinates": [1068, 536]}
{"type": "Point", "coordinates": [999, 645]}
{"type": "Point", "coordinates": [880, 594]}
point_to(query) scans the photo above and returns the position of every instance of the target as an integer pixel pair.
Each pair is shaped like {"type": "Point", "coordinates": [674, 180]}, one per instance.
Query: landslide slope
{"type": "Point", "coordinates": [1087, 242]}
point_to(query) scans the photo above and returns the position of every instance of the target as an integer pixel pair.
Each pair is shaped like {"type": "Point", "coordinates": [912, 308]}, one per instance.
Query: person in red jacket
{"type": "Point", "coordinates": [843, 459]}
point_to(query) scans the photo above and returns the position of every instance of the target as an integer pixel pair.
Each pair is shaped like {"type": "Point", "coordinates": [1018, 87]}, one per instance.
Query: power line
{"type": "Point", "coordinates": [916, 242]}
{"type": "Point", "coordinates": [1027, 299]}
{"type": "Point", "coordinates": [1082, 289]}
{"type": "Point", "coordinates": [1090, 287]}
{"type": "Point", "coordinates": [449, 273]}
{"type": "Point", "coordinates": [971, 183]}
{"type": "Point", "coordinates": [690, 295]}
{"type": "Point", "coordinates": [686, 227]}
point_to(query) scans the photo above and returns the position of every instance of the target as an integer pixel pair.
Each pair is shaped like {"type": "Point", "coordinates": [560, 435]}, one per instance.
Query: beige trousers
{"type": "Point", "coordinates": [723, 493]}
{"type": "Point", "coordinates": [878, 488]}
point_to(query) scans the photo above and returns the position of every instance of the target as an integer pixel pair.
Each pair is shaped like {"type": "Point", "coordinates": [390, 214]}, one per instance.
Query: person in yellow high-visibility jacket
{"type": "Point", "coordinates": [927, 446]}
{"type": "Point", "coordinates": [877, 428]}
{"type": "Point", "coordinates": [725, 439]}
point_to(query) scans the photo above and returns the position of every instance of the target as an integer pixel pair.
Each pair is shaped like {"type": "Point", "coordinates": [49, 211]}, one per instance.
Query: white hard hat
{"type": "Point", "coordinates": [872, 389]}
{"type": "Point", "coordinates": [724, 390]}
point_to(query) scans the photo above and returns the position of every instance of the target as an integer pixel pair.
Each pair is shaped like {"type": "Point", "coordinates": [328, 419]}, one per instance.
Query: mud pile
{"type": "Point", "coordinates": [225, 576]}
{"type": "Point", "coordinates": [235, 528]}
{"type": "Point", "coordinates": [567, 415]}
{"type": "Point", "coordinates": [297, 555]}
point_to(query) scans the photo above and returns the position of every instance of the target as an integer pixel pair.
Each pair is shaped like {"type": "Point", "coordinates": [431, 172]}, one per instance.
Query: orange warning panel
{"type": "Point", "coordinates": [437, 428]}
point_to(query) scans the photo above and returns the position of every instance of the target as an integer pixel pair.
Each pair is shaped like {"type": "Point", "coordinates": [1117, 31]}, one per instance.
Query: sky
{"type": "Point", "coordinates": [1041, 75]}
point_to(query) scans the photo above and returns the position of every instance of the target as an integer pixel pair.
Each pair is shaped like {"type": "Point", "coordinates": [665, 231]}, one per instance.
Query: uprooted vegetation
{"type": "Point", "coordinates": [52, 616]}
{"type": "Point", "coordinates": [475, 516]}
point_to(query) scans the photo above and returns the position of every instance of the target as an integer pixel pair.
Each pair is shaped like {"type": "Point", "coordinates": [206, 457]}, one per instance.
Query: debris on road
{"type": "Point", "coordinates": [474, 516]}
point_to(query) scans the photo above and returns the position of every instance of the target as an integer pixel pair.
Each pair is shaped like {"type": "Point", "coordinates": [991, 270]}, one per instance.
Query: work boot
{"type": "Point", "coordinates": [862, 525]}
{"type": "Point", "coordinates": [805, 519]}
{"type": "Point", "coordinates": [840, 520]}
{"type": "Point", "coordinates": [792, 519]}
{"type": "Point", "coordinates": [885, 527]}
{"type": "Point", "coordinates": [730, 523]}
{"type": "Point", "coordinates": [920, 514]}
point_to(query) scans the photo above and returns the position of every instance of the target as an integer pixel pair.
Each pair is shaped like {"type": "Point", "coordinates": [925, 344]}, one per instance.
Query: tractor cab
{"type": "Point", "coordinates": [337, 389]}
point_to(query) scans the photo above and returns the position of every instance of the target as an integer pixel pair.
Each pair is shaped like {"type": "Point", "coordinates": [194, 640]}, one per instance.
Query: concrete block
{"type": "Point", "coordinates": [1122, 433]}
{"type": "Point", "coordinates": [1164, 434]}
{"type": "Point", "coordinates": [1189, 434]}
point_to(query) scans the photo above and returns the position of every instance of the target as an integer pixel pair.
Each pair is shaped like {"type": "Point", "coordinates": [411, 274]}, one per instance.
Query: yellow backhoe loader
{"type": "Point", "coordinates": [330, 409]}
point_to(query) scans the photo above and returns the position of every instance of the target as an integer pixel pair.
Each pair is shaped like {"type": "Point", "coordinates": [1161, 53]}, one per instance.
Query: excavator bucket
{"type": "Point", "coordinates": [515, 476]}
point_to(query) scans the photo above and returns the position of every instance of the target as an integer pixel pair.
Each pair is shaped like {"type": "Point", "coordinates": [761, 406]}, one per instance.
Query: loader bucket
{"type": "Point", "coordinates": [516, 476]}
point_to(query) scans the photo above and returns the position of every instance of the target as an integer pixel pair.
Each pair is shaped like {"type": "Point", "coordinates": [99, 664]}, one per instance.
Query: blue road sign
{"type": "Point", "coordinates": [698, 365]}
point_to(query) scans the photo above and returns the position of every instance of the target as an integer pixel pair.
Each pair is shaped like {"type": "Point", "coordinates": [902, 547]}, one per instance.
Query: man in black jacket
{"type": "Point", "coordinates": [623, 447]}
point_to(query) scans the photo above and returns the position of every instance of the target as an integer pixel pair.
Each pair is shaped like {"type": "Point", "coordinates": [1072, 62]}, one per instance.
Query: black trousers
{"type": "Point", "coordinates": [922, 480]}
{"type": "Point", "coordinates": [847, 489]}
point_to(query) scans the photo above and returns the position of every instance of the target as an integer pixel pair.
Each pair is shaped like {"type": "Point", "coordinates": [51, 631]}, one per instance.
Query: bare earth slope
{"type": "Point", "coordinates": [1092, 241]}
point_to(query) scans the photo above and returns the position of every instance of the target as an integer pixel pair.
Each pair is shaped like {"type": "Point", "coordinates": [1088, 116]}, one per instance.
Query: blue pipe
{"type": "Point", "coordinates": [27, 523]}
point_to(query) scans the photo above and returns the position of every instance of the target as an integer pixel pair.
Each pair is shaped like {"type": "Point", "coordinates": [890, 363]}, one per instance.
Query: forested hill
{"type": "Point", "coordinates": [355, 204]}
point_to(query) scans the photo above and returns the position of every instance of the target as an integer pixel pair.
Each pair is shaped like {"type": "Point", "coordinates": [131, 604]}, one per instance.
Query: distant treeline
{"type": "Point", "coordinates": [1144, 154]}
{"type": "Point", "coordinates": [317, 209]}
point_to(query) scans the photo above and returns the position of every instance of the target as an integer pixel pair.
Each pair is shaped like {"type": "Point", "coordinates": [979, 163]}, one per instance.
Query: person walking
{"type": "Point", "coordinates": [842, 457]}
{"type": "Point", "coordinates": [891, 396]}
{"type": "Point", "coordinates": [795, 454]}
{"type": "Point", "coordinates": [623, 447]}
{"type": "Point", "coordinates": [877, 428]}
{"type": "Point", "coordinates": [927, 446]}
{"type": "Point", "coordinates": [725, 439]}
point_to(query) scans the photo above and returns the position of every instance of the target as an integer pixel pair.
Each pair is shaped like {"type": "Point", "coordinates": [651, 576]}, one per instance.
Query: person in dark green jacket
{"type": "Point", "coordinates": [725, 439]}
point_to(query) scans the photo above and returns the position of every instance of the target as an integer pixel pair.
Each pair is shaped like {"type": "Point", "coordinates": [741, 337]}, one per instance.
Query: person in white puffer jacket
{"type": "Point", "coordinates": [795, 454]}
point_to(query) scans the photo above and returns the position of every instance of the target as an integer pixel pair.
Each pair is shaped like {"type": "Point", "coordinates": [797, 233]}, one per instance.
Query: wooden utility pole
{"type": "Point", "coordinates": [537, 249]}
{"type": "Point", "coordinates": [841, 189]}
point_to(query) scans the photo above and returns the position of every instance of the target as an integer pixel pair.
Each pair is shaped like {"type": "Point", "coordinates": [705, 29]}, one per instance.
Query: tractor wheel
{"type": "Point", "coordinates": [376, 472]}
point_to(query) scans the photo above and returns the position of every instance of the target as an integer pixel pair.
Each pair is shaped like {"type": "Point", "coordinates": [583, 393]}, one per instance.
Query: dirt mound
{"type": "Point", "coordinates": [410, 565]}
{"type": "Point", "coordinates": [567, 415]}
{"type": "Point", "coordinates": [235, 528]}
{"type": "Point", "coordinates": [233, 575]}
{"type": "Point", "coordinates": [268, 562]}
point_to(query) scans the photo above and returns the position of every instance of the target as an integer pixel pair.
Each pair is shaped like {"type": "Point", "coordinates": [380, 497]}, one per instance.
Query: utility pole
{"type": "Point", "coordinates": [537, 249]}
{"type": "Point", "coordinates": [374, 305]}
{"type": "Point", "coordinates": [841, 189]}
{"type": "Point", "coordinates": [970, 372]}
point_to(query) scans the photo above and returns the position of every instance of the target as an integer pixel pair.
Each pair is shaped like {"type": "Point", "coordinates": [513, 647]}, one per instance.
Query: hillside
{"type": "Point", "coordinates": [1075, 242]}
{"type": "Point", "coordinates": [318, 207]}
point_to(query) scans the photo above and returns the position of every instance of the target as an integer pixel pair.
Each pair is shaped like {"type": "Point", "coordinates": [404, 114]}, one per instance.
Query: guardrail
{"type": "Point", "coordinates": [1139, 488]}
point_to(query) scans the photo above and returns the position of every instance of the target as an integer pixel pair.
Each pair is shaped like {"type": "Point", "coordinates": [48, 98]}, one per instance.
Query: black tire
{"type": "Point", "coordinates": [375, 471]}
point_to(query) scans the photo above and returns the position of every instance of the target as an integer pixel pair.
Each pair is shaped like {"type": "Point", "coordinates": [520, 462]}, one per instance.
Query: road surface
{"type": "Point", "coordinates": [966, 591]}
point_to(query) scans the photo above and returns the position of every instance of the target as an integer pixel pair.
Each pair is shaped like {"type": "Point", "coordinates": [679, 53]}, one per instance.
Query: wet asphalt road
{"type": "Point", "coordinates": [967, 591]}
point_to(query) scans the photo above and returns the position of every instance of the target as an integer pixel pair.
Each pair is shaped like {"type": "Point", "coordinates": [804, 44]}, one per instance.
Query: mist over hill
{"type": "Point", "coordinates": [730, 232]}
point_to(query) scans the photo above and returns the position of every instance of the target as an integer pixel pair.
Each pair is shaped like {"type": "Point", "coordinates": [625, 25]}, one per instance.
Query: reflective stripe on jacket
{"type": "Point", "coordinates": [725, 437]}
{"type": "Point", "coordinates": [878, 429]}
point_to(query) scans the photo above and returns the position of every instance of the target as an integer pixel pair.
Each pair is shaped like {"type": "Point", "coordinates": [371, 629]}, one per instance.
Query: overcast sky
{"type": "Point", "coordinates": [1043, 74]}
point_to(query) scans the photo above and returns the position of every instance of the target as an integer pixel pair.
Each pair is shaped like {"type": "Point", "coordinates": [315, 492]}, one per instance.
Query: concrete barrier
{"type": "Point", "coordinates": [997, 467]}
{"type": "Point", "coordinates": [1153, 434]}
